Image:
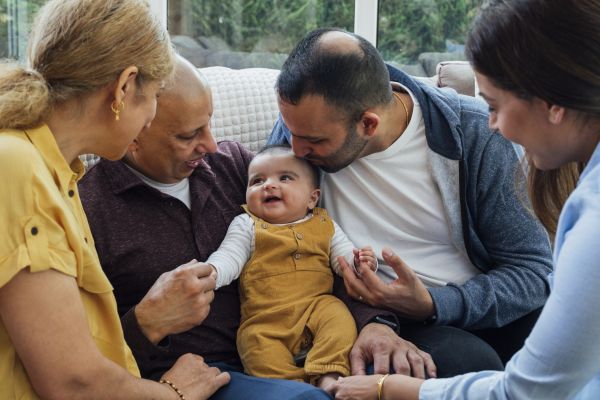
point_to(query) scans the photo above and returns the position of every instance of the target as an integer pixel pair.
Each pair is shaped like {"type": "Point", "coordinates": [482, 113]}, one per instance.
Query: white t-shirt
{"type": "Point", "coordinates": [179, 190]}
{"type": "Point", "coordinates": [390, 199]}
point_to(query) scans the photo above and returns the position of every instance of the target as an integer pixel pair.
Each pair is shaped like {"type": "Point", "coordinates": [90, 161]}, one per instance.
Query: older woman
{"type": "Point", "coordinates": [537, 63]}
{"type": "Point", "coordinates": [95, 70]}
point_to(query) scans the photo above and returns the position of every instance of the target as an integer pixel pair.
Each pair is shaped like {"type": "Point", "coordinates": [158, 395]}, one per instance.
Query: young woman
{"type": "Point", "coordinates": [94, 71]}
{"type": "Point", "coordinates": [537, 63]}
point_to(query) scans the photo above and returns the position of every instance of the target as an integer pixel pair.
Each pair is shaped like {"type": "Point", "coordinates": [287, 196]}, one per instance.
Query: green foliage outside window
{"type": "Point", "coordinates": [262, 25]}
{"type": "Point", "coordinates": [406, 27]}
{"type": "Point", "coordinates": [410, 27]}
{"type": "Point", "coordinates": [15, 20]}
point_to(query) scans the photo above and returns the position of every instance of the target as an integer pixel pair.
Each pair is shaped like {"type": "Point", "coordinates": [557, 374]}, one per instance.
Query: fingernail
{"type": "Point", "coordinates": [387, 252]}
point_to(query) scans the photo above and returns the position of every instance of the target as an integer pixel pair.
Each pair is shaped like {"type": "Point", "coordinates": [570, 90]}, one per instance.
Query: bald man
{"type": "Point", "coordinates": [166, 204]}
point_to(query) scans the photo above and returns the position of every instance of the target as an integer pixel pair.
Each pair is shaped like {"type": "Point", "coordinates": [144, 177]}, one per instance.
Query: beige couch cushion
{"type": "Point", "coordinates": [456, 74]}
{"type": "Point", "coordinates": [244, 104]}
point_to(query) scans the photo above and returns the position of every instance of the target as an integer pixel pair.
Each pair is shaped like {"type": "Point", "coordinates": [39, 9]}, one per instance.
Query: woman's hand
{"type": "Point", "coordinates": [194, 378]}
{"type": "Point", "coordinates": [363, 387]}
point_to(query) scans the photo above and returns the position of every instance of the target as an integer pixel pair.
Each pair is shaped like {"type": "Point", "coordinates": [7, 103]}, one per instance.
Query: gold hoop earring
{"type": "Point", "coordinates": [117, 110]}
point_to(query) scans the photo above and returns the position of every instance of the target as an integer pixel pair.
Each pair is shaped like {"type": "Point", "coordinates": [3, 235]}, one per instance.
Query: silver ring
{"type": "Point", "coordinates": [360, 298]}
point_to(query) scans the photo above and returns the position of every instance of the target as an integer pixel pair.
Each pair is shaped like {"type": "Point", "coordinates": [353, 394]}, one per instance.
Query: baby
{"type": "Point", "coordinates": [282, 249]}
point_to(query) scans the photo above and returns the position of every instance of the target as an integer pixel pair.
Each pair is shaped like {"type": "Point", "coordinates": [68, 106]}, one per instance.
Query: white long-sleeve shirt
{"type": "Point", "coordinates": [238, 246]}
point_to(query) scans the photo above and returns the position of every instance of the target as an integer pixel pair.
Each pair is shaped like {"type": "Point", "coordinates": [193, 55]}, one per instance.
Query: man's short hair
{"type": "Point", "coordinates": [353, 81]}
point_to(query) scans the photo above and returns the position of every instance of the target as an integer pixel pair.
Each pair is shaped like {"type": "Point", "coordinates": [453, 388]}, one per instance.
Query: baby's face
{"type": "Point", "coordinates": [280, 188]}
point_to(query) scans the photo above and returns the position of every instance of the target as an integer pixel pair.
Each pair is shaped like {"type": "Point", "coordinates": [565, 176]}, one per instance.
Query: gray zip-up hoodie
{"type": "Point", "coordinates": [475, 170]}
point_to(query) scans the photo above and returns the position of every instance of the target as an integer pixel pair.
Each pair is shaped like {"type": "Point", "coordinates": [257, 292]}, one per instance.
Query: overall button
{"type": "Point", "coordinates": [71, 193]}
{"type": "Point", "coordinates": [34, 230]}
{"type": "Point", "coordinates": [264, 226]}
{"type": "Point", "coordinates": [299, 236]}
{"type": "Point", "coordinates": [297, 256]}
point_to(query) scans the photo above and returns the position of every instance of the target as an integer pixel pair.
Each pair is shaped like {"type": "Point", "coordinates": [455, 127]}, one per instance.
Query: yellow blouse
{"type": "Point", "coordinates": [43, 226]}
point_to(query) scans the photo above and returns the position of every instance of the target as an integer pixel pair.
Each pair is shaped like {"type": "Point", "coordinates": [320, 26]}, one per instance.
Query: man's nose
{"type": "Point", "coordinates": [299, 147]}
{"type": "Point", "coordinates": [207, 144]}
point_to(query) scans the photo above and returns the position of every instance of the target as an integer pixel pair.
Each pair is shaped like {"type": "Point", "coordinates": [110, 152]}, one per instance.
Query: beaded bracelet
{"type": "Point", "coordinates": [175, 388]}
{"type": "Point", "coordinates": [380, 386]}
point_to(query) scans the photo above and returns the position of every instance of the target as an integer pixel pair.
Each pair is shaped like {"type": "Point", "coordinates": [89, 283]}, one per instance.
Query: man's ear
{"type": "Point", "coordinates": [369, 122]}
{"type": "Point", "coordinates": [556, 114]}
{"type": "Point", "coordinates": [133, 146]}
{"type": "Point", "coordinates": [314, 198]}
{"type": "Point", "coordinates": [125, 85]}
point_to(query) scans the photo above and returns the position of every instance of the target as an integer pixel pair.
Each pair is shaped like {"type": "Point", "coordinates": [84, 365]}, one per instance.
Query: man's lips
{"type": "Point", "coordinates": [314, 161]}
{"type": "Point", "coordinates": [194, 163]}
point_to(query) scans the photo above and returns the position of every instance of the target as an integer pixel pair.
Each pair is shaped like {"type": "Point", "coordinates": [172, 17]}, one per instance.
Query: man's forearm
{"type": "Point", "coordinates": [487, 306]}
{"type": "Point", "coordinates": [143, 349]}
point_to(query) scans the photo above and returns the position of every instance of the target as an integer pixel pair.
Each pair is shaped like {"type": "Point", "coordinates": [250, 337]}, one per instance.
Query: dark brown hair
{"type": "Point", "coordinates": [548, 50]}
{"type": "Point", "coordinates": [352, 81]}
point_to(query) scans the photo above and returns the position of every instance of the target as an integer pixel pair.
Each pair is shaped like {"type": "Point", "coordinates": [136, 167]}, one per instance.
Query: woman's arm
{"type": "Point", "coordinates": [47, 324]}
{"type": "Point", "coordinates": [366, 387]}
{"type": "Point", "coordinates": [561, 355]}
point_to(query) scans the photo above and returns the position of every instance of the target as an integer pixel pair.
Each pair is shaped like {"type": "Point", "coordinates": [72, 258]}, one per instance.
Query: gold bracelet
{"type": "Point", "coordinates": [175, 388]}
{"type": "Point", "coordinates": [380, 386]}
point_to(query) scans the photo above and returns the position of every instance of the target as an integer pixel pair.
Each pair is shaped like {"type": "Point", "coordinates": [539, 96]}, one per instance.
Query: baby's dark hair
{"type": "Point", "coordinates": [285, 149]}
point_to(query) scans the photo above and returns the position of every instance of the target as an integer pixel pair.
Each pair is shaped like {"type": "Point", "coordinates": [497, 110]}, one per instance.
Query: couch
{"type": "Point", "coordinates": [245, 104]}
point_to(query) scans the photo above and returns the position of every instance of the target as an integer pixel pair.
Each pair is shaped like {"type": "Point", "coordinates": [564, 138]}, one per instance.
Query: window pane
{"type": "Point", "coordinates": [15, 21]}
{"type": "Point", "coordinates": [417, 34]}
{"type": "Point", "coordinates": [249, 33]}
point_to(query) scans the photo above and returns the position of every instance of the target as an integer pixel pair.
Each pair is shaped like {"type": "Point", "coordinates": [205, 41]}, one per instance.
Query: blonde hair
{"type": "Point", "coordinates": [78, 46]}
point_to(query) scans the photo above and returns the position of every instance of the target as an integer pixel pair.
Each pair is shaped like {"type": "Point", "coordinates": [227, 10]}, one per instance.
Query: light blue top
{"type": "Point", "coordinates": [561, 357]}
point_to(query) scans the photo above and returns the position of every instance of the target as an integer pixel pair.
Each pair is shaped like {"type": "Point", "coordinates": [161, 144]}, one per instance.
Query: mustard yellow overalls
{"type": "Point", "coordinates": [285, 291]}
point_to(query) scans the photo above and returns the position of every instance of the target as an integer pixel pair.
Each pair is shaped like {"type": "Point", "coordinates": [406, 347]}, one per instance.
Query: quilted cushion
{"type": "Point", "coordinates": [244, 103]}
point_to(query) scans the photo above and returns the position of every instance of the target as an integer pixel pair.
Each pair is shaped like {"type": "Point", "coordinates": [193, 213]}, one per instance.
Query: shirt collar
{"type": "Point", "coordinates": [45, 142]}
{"type": "Point", "coordinates": [123, 179]}
{"type": "Point", "coordinates": [591, 164]}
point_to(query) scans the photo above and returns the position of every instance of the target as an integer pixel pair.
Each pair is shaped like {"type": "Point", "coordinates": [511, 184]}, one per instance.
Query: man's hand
{"type": "Point", "coordinates": [194, 378]}
{"type": "Point", "coordinates": [406, 295]}
{"type": "Point", "coordinates": [179, 300]}
{"type": "Point", "coordinates": [379, 344]}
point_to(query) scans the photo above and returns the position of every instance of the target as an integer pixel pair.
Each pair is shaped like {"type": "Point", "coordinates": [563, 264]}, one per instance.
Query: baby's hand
{"type": "Point", "coordinates": [364, 258]}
